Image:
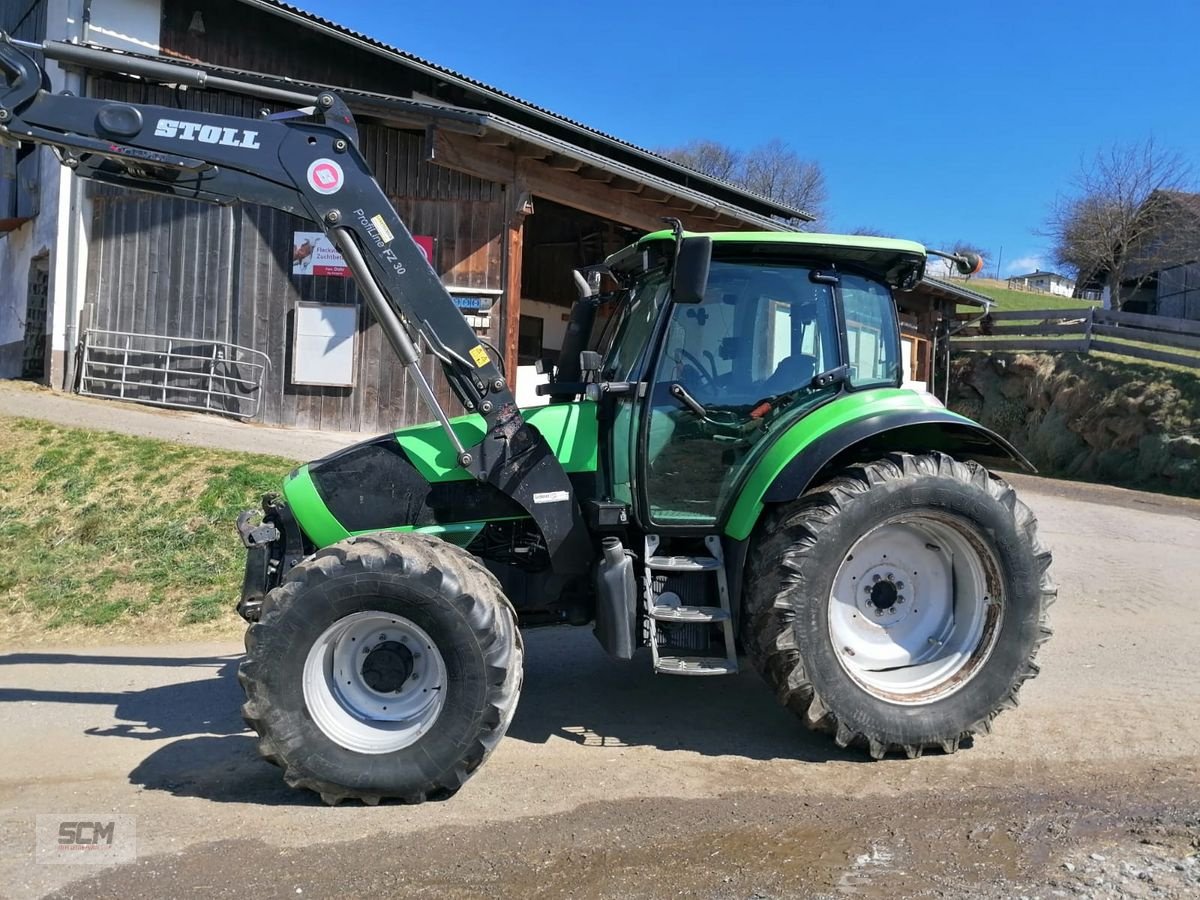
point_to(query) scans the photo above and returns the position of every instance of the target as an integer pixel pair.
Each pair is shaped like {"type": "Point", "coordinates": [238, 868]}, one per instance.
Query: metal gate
{"type": "Point", "coordinates": [188, 373]}
{"type": "Point", "coordinates": [33, 363]}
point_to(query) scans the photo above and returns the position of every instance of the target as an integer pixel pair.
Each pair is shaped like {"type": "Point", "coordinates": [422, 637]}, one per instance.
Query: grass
{"type": "Point", "coordinates": [1009, 299]}
{"type": "Point", "coordinates": [106, 531]}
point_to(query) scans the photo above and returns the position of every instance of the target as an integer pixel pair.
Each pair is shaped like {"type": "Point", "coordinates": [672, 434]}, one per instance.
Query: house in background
{"type": "Point", "coordinates": [1163, 276]}
{"type": "Point", "coordinates": [1043, 283]}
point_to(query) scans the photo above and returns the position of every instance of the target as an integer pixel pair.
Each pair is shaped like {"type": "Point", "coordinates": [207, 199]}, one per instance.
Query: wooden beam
{"type": "Point", "coordinates": [464, 153]}
{"type": "Point", "coordinates": [514, 248]}
{"type": "Point", "coordinates": [565, 164]}
{"type": "Point", "coordinates": [597, 175]}
{"type": "Point", "coordinates": [495, 139]}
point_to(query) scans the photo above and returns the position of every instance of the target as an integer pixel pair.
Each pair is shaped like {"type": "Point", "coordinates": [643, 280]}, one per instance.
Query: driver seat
{"type": "Point", "coordinates": [793, 372]}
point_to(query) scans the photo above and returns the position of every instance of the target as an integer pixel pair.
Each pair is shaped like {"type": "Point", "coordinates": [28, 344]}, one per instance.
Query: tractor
{"type": "Point", "coordinates": [726, 468]}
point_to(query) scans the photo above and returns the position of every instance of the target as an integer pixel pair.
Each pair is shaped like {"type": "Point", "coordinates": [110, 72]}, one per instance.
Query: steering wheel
{"type": "Point", "coordinates": [697, 365]}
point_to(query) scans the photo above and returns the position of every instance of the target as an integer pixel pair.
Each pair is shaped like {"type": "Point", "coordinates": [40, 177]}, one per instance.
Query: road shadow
{"type": "Point", "coordinates": [572, 691]}
{"type": "Point", "coordinates": [213, 755]}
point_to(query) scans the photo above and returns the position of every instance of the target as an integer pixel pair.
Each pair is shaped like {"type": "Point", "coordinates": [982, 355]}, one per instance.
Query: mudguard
{"type": "Point", "coordinates": [853, 427]}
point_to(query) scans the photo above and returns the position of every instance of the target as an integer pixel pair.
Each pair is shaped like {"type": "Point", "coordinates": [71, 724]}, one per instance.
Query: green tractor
{"type": "Point", "coordinates": [753, 480]}
{"type": "Point", "coordinates": [727, 466]}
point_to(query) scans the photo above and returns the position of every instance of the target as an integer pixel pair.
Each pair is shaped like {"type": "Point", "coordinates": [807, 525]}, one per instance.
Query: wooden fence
{"type": "Point", "coordinates": [1084, 330]}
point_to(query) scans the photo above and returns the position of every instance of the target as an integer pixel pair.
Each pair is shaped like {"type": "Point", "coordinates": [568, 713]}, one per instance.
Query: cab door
{"type": "Point", "coordinates": [726, 371]}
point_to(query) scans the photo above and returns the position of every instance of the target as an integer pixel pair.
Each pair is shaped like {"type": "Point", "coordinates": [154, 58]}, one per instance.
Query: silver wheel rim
{"type": "Point", "coordinates": [374, 682]}
{"type": "Point", "coordinates": [916, 608]}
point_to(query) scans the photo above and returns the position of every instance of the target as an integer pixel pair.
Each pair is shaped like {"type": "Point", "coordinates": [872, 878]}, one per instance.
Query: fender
{"type": "Point", "coordinates": [858, 426]}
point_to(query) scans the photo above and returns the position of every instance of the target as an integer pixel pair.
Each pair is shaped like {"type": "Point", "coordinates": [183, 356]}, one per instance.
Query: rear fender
{"type": "Point", "coordinates": [916, 430]}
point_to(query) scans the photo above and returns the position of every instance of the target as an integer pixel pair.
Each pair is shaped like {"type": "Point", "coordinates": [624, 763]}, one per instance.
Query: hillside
{"type": "Point", "coordinates": [1009, 299]}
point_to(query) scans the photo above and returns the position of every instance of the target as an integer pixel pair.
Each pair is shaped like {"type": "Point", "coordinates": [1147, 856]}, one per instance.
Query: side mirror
{"type": "Point", "coordinates": [589, 363]}
{"type": "Point", "coordinates": [690, 278]}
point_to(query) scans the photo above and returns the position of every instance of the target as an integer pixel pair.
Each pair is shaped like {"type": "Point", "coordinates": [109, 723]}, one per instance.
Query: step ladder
{"type": "Point", "coordinates": [658, 612]}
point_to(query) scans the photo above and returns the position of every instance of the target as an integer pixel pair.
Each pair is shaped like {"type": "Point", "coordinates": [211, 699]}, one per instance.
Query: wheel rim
{"type": "Point", "coordinates": [374, 682]}
{"type": "Point", "coordinates": [916, 608]}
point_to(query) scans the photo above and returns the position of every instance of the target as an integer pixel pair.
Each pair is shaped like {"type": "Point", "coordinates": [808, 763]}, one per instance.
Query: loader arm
{"type": "Point", "coordinates": [305, 162]}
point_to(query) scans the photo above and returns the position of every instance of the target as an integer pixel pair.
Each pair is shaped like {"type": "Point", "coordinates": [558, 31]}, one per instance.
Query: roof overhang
{"type": "Point", "coordinates": [763, 209]}
{"type": "Point", "coordinates": [510, 151]}
{"type": "Point", "coordinates": [952, 293]}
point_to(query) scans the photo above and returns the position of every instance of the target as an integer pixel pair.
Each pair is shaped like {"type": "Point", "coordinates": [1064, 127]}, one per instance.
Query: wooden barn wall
{"type": "Point", "coordinates": [160, 265]}
{"type": "Point", "coordinates": [278, 47]}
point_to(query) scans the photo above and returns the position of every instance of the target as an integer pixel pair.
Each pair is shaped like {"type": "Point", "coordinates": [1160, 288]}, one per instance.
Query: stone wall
{"type": "Point", "coordinates": [1088, 417]}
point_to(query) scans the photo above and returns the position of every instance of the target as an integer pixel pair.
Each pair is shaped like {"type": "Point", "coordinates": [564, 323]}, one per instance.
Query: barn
{"type": "Point", "coordinates": [247, 311]}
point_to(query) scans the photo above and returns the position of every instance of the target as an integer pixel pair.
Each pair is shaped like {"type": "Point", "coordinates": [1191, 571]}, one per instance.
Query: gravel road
{"type": "Point", "coordinates": [614, 782]}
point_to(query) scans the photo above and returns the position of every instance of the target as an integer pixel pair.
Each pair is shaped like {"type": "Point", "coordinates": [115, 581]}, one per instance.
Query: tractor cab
{"type": "Point", "coordinates": [714, 346]}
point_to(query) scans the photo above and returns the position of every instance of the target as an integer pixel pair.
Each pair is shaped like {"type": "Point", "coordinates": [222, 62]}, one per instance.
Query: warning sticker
{"type": "Point", "coordinates": [385, 233]}
{"type": "Point", "coordinates": [479, 355]}
{"type": "Point", "coordinates": [325, 176]}
{"type": "Point", "coordinates": [551, 497]}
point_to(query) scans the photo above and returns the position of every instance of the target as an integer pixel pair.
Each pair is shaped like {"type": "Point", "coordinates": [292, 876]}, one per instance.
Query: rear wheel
{"type": "Point", "coordinates": [387, 665]}
{"type": "Point", "coordinates": [900, 604]}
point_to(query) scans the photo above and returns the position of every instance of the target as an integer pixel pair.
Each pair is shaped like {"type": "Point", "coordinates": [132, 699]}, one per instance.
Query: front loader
{"type": "Point", "coordinates": [727, 467]}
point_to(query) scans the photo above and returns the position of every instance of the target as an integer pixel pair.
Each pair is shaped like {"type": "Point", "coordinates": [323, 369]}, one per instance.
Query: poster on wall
{"type": "Point", "coordinates": [313, 253]}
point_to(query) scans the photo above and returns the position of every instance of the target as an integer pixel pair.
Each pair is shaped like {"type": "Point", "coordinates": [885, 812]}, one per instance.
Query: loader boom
{"type": "Point", "coordinates": [305, 162]}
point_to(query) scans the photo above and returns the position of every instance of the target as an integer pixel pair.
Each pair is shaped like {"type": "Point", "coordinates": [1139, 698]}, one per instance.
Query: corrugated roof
{"type": "Point", "coordinates": [958, 292]}
{"type": "Point", "coordinates": [757, 202]}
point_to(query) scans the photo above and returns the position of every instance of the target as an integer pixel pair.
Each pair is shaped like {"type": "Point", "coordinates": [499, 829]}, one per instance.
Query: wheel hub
{"type": "Point", "coordinates": [387, 666]}
{"type": "Point", "coordinates": [885, 596]}
{"type": "Point", "coordinates": [374, 682]}
{"type": "Point", "coordinates": [909, 609]}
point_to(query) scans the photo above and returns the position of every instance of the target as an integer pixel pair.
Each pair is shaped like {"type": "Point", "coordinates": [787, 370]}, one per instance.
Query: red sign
{"type": "Point", "coordinates": [425, 242]}
{"type": "Point", "coordinates": [325, 176]}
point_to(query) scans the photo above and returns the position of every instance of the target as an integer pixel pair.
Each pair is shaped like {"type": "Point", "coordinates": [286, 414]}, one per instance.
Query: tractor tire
{"type": "Point", "coordinates": [899, 605]}
{"type": "Point", "coordinates": [400, 621]}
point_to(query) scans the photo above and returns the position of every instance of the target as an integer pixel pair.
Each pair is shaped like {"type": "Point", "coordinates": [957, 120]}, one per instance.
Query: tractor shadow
{"type": "Point", "coordinates": [572, 691]}
{"type": "Point", "coordinates": [195, 701]}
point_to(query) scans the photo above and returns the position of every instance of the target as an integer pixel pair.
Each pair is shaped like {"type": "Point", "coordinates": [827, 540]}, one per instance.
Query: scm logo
{"type": "Point", "coordinates": [207, 134]}
{"type": "Point", "coordinates": [75, 833]}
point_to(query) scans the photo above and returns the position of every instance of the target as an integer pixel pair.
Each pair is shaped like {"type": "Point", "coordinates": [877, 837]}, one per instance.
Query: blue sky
{"type": "Point", "coordinates": [932, 121]}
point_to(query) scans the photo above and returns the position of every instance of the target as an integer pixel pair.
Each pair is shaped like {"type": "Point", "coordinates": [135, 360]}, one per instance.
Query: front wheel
{"type": "Point", "coordinates": [900, 604]}
{"type": "Point", "coordinates": [387, 665]}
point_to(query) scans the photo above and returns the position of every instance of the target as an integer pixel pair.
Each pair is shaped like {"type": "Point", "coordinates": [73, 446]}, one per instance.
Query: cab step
{"type": "Point", "coordinates": [688, 613]}
{"type": "Point", "coordinates": [695, 665]}
{"type": "Point", "coordinates": [676, 613]}
{"type": "Point", "coordinates": [683, 564]}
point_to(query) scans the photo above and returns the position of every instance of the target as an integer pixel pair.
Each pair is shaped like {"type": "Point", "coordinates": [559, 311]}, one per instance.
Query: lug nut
{"type": "Point", "coordinates": [875, 578]}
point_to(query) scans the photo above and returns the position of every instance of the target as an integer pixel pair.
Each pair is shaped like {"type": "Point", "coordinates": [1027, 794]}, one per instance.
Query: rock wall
{"type": "Point", "coordinates": [1088, 417]}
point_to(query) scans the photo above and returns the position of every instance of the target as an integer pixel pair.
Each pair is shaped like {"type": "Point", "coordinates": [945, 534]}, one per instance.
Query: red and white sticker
{"type": "Point", "coordinates": [325, 176]}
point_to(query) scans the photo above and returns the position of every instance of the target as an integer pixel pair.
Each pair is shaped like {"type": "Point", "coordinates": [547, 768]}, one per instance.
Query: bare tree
{"type": "Point", "coordinates": [772, 169]}
{"type": "Point", "coordinates": [1122, 220]}
{"type": "Point", "coordinates": [708, 157]}
{"type": "Point", "coordinates": [870, 231]}
{"type": "Point", "coordinates": [777, 171]}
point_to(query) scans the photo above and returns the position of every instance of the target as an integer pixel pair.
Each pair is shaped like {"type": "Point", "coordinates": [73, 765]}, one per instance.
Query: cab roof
{"type": "Point", "coordinates": [896, 262]}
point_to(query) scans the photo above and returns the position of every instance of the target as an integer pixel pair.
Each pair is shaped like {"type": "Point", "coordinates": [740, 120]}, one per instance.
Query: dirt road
{"type": "Point", "coordinates": [616, 782]}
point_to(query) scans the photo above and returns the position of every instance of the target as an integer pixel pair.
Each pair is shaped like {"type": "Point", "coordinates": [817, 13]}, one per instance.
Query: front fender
{"type": "Point", "coordinates": [860, 426]}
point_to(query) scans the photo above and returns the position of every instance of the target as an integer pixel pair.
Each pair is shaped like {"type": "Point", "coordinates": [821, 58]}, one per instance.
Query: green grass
{"type": "Point", "coordinates": [1009, 299]}
{"type": "Point", "coordinates": [102, 529]}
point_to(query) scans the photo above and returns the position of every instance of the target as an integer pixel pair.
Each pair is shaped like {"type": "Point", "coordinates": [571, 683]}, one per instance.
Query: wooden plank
{"type": "Point", "coordinates": [1024, 314]}
{"type": "Point", "coordinates": [1019, 344]}
{"type": "Point", "coordinates": [1133, 350]}
{"type": "Point", "coordinates": [1045, 328]}
{"type": "Point", "coordinates": [1166, 338]}
{"type": "Point", "coordinates": [1154, 323]}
